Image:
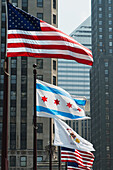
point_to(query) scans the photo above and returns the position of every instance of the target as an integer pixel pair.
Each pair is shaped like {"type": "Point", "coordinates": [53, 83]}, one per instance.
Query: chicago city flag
{"type": "Point", "coordinates": [30, 37]}
{"type": "Point", "coordinates": [65, 136]}
{"type": "Point", "coordinates": [53, 101]}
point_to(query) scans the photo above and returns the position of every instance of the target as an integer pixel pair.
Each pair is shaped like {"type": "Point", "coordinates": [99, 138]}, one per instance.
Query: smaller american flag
{"type": "Point", "coordinates": [74, 166]}
{"type": "Point", "coordinates": [82, 159]}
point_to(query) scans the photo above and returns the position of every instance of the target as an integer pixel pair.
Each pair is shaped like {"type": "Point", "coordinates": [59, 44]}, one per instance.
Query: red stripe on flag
{"type": "Point", "coordinates": [35, 55]}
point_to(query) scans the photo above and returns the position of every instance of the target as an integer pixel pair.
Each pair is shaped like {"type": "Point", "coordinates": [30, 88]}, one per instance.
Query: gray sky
{"type": "Point", "coordinates": [71, 13]}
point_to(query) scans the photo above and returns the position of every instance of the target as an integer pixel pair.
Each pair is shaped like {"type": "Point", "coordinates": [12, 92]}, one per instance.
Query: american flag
{"type": "Point", "coordinates": [83, 159]}
{"type": "Point", "coordinates": [28, 36]}
{"type": "Point", "coordinates": [74, 166]}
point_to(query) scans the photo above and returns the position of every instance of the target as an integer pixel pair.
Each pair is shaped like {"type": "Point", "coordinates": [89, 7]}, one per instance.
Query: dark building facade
{"type": "Point", "coordinates": [102, 84]}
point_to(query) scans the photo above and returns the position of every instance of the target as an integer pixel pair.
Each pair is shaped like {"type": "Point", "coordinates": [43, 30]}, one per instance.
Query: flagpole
{"type": "Point", "coordinates": [35, 122]}
{"type": "Point", "coordinates": [66, 166]}
{"type": "Point", "coordinates": [59, 157]}
{"type": "Point", "coordinates": [4, 159]}
{"type": "Point", "coordinates": [50, 145]}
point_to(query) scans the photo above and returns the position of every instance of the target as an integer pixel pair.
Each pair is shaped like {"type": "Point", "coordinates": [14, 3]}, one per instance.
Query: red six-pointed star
{"type": "Point", "coordinates": [44, 99]}
{"type": "Point", "coordinates": [79, 109]}
{"type": "Point", "coordinates": [69, 105]}
{"type": "Point", "coordinates": [57, 102]}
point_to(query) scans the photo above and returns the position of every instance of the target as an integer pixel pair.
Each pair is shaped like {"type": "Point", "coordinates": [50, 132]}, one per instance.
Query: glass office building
{"type": "Point", "coordinates": [72, 76]}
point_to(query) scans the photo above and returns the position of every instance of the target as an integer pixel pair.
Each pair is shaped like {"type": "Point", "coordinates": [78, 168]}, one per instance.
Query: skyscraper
{"type": "Point", "coordinates": [102, 83]}
{"type": "Point", "coordinates": [75, 77]}
{"type": "Point", "coordinates": [20, 101]}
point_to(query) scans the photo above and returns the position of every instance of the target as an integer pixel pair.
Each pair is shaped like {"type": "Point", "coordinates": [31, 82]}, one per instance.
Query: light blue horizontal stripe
{"type": "Point", "coordinates": [80, 102]}
{"type": "Point", "coordinates": [53, 90]}
{"type": "Point", "coordinates": [57, 113]}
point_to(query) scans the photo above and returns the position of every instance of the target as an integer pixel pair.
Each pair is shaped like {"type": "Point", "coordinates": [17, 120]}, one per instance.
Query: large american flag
{"type": "Point", "coordinates": [83, 159]}
{"type": "Point", "coordinates": [28, 36]}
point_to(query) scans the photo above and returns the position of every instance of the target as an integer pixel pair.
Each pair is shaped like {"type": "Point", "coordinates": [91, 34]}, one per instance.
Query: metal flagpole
{"type": "Point", "coordinates": [50, 146]}
{"type": "Point", "coordinates": [66, 166]}
{"type": "Point", "coordinates": [4, 159]}
{"type": "Point", "coordinates": [35, 122]}
{"type": "Point", "coordinates": [59, 157]}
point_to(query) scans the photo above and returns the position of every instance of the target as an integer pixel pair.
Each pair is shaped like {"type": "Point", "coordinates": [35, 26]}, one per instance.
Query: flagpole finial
{"type": "Point", "coordinates": [34, 65]}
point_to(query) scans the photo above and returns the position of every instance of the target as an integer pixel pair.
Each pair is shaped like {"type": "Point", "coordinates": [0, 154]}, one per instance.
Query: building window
{"type": "Point", "coordinates": [109, 15]}
{"type": "Point", "coordinates": [23, 79]}
{"type": "Point", "coordinates": [3, 17]}
{"type": "Point", "coordinates": [109, 8]}
{"type": "Point", "coordinates": [110, 22]}
{"type": "Point", "coordinates": [39, 127]}
{"type": "Point", "coordinates": [39, 63]}
{"type": "Point", "coordinates": [1, 111]}
{"type": "Point", "coordinates": [13, 136]}
{"type": "Point", "coordinates": [25, 5]}
{"type": "Point", "coordinates": [1, 79]}
{"type": "Point", "coordinates": [100, 29]}
{"type": "Point", "coordinates": [106, 64]}
{"type": "Point", "coordinates": [54, 65]}
{"type": "Point", "coordinates": [13, 111]}
{"type": "Point", "coordinates": [54, 19]}
{"type": "Point", "coordinates": [109, 1]}
{"type": "Point", "coordinates": [110, 36]}
{"type": "Point", "coordinates": [13, 63]}
{"type": "Point", "coordinates": [40, 77]}
{"type": "Point", "coordinates": [23, 161]}
{"type": "Point", "coordinates": [100, 15]}
{"type": "Point", "coordinates": [107, 101]}
{"type": "Point", "coordinates": [39, 3]}
{"type": "Point", "coordinates": [2, 47]}
{"type": "Point", "coordinates": [100, 22]}
{"type": "Point", "coordinates": [54, 80]}
{"type": "Point", "coordinates": [13, 95]}
{"type": "Point", "coordinates": [100, 37]}
{"type": "Point", "coordinates": [106, 71]}
{"type": "Point", "coordinates": [100, 1]}
{"type": "Point", "coordinates": [110, 29]}
{"type": "Point", "coordinates": [54, 4]}
{"type": "Point", "coordinates": [40, 16]}
{"type": "Point", "coordinates": [100, 43]}
{"type": "Point", "coordinates": [1, 95]}
{"type": "Point", "coordinates": [39, 158]}
{"type": "Point", "coordinates": [23, 135]}
{"type": "Point", "coordinates": [3, 32]}
{"type": "Point", "coordinates": [107, 148]}
{"type": "Point", "coordinates": [15, 2]}
{"type": "Point", "coordinates": [13, 79]}
{"type": "Point", "coordinates": [100, 9]}
{"type": "Point", "coordinates": [39, 144]}
{"type": "Point", "coordinates": [12, 161]}
{"type": "Point", "coordinates": [110, 51]}
{"type": "Point", "coordinates": [110, 44]}
{"type": "Point", "coordinates": [106, 79]}
{"type": "Point", "coordinates": [23, 112]}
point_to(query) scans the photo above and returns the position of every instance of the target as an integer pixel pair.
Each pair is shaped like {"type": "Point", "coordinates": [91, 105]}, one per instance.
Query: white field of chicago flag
{"type": "Point", "coordinates": [31, 37]}
{"type": "Point", "coordinates": [53, 101]}
{"type": "Point", "coordinates": [65, 136]}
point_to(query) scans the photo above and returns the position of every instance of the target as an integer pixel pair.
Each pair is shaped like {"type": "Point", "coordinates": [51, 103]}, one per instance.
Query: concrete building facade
{"type": "Point", "coordinates": [20, 96]}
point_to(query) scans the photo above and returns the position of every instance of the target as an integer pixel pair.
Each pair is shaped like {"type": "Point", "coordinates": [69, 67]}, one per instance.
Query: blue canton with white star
{"type": "Point", "coordinates": [20, 20]}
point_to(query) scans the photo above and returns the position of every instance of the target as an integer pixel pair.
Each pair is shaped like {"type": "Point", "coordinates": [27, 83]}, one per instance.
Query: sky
{"type": "Point", "coordinates": [71, 13]}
